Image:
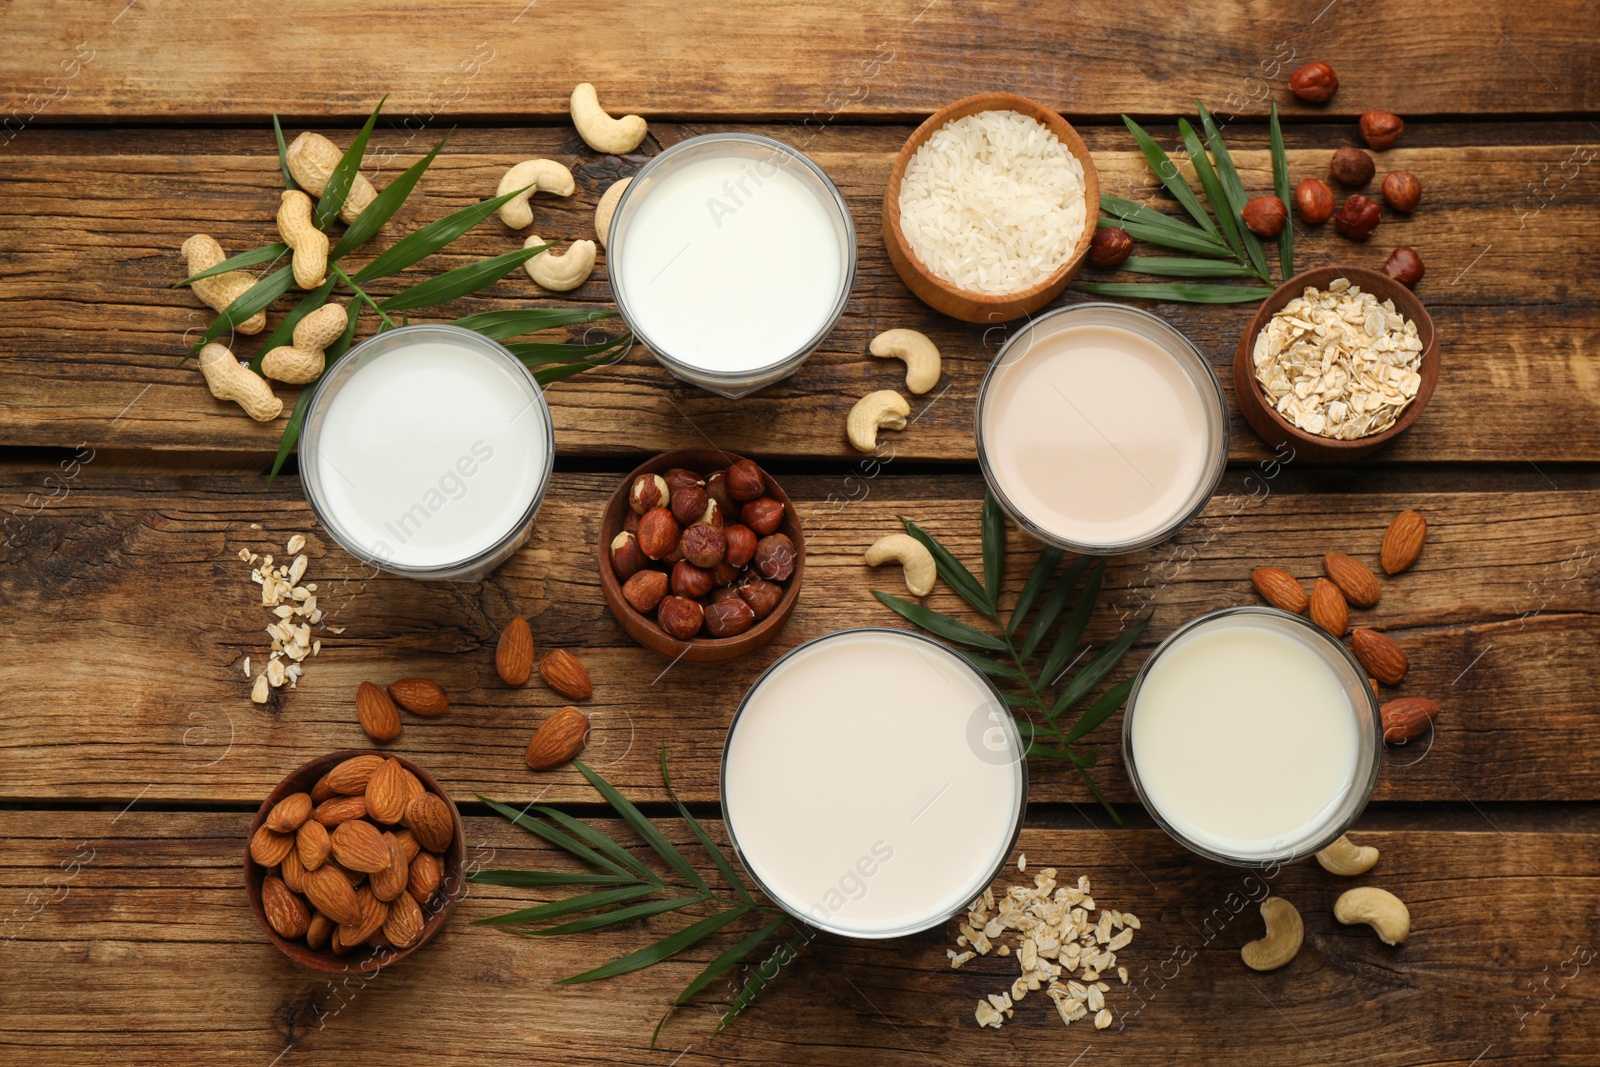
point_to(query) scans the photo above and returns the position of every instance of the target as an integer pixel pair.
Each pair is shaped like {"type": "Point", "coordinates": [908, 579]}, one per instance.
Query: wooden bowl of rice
{"type": "Point", "coordinates": [988, 234]}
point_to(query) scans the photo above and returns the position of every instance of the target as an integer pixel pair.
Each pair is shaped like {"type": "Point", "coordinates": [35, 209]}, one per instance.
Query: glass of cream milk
{"type": "Point", "coordinates": [731, 257]}
{"type": "Point", "coordinates": [426, 452]}
{"type": "Point", "coordinates": [1253, 737]}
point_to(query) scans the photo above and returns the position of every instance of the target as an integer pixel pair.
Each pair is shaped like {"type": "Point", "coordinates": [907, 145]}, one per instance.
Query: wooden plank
{"type": "Point", "coordinates": [129, 932]}
{"type": "Point", "coordinates": [130, 616]}
{"type": "Point", "coordinates": [661, 58]}
{"type": "Point", "coordinates": [94, 335]}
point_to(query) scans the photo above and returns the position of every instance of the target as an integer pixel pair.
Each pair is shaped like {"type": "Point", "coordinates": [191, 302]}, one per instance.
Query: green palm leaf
{"type": "Point", "coordinates": [1185, 267]}
{"type": "Point", "coordinates": [1097, 668]}
{"type": "Point", "coordinates": [549, 833]}
{"type": "Point", "coordinates": [736, 952]}
{"type": "Point", "coordinates": [461, 281]}
{"type": "Point", "coordinates": [1233, 188]}
{"type": "Point", "coordinates": [283, 155]}
{"type": "Point", "coordinates": [942, 625]}
{"type": "Point", "coordinates": [1100, 710]}
{"type": "Point", "coordinates": [532, 879]}
{"type": "Point", "coordinates": [252, 258]}
{"type": "Point", "coordinates": [952, 570]}
{"type": "Point", "coordinates": [718, 857]}
{"type": "Point", "coordinates": [1072, 632]}
{"type": "Point", "coordinates": [500, 325]}
{"type": "Point", "coordinates": [1166, 171]}
{"type": "Point", "coordinates": [283, 333]}
{"type": "Point", "coordinates": [617, 917]}
{"type": "Point", "coordinates": [1052, 607]}
{"type": "Point", "coordinates": [765, 974]}
{"type": "Point", "coordinates": [643, 827]}
{"type": "Point", "coordinates": [256, 298]}
{"type": "Point", "coordinates": [344, 174]}
{"type": "Point", "coordinates": [1178, 292]}
{"type": "Point", "coordinates": [1043, 568]}
{"type": "Point", "coordinates": [556, 908]}
{"type": "Point", "coordinates": [384, 205]}
{"type": "Point", "coordinates": [994, 547]}
{"type": "Point", "coordinates": [422, 243]}
{"type": "Point", "coordinates": [598, 841]}
{"type": "Point", "coordinates": [1280, 182]}
{"type": "Point", "coordinates": [1213, 188]}
{"type": "Point", "coordinates": [667, 946]}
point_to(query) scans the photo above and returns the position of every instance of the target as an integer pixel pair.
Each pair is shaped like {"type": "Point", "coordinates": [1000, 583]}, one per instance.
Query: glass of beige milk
{"type": "Point", "coordinates": [1252, 736]}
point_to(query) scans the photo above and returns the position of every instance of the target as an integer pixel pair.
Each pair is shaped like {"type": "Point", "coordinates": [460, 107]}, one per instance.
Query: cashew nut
{"type": "Point", "coordinates": [1345, 858]}
{"type": "Point", "coordinates": [920, 355]}
{"type": "Point", "coordinates": [303, 361]}
{"type": "Point", "coordinates": [202, 253]}
{"type": "Point", "coordinates": [919, 567]}
{"type": "Point", "coordinates": [311, 160]}
{"type": "Point", "coordinates": [1285, 933]}
{"type": "Point", "coordinates": [301, 234]}
{"type": "Point", "coordinates": [231, 380]}
{"type": "Point", "coordinates": [544, 175]}
{"type": "Point", "coordinates": [885, 409]}
{"type": "Point", "coordinates": [560, 271]}
{"type": "Point", "coordinates": [599, 130]}
{"type": "Point", "coordinates": [1379, 909]}
{"type": "Point", "coordinates": [608, 207]}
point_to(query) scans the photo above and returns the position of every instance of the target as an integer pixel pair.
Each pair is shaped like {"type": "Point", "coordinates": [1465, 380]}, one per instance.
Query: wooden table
{"type": "Point", "coordinates": [131, 758]}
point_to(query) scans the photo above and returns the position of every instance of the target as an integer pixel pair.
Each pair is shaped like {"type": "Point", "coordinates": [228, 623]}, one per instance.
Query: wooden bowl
{"type": "Point", "coordinates": [1313, 448]}
{"type": "Point", "coordinates": [940, 294]}
{"type": "Point", "coordinates": [643, 628]}
{"type": "Point", "coordinates": [362, 960]}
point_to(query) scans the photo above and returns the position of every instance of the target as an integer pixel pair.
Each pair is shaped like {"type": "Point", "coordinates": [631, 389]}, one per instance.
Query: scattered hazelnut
{"type": "Point", "coordinates": [745, 481]}
{"type": "Point", "coordinates": [1110, 246]}
{"type": "Point", "coordinates": [1381, 129]}
{"type": "Point", "coordinates": [649, 491]}
{"type": "Point", "coordinates": [712, 515]}
{"type": "Point", "coordinates": [658, 533]}
{"type": "Point", "coordinates": [1314, 201]}
{"type": "Point", "coordinates": [680, 617]}
{"type": "Point", "coordinates": [740, 542]}
{"type": "Point", "coordinates": [690, 581]}
{"type": "Point", "coordinates": [1314, 82]}
{"type": "Point", "coordinates": [717, 489]}
{"type": "Point", "coordinates": [626, 557]}
{"type": "Point", "coordinates": [1264, 216]}
{"type": "Point", "coordinates": [1358, 217]}
{"type": "Point", "coordinates": [762, 596]}
{"type": "Point", "coordinates": [764, 516]}
{"type": "Point", "coordinates": [775, 557]}
{"type": "Point", "coordinates": [725, 573]}
{"type": "Point", "coordinates": [729, 617]}
{"type": "Point", "coordinates": [688, 504]}
{"type": "Point", "coordinates": [1402, 190]}
{"type": "Point", "coordinates": [1405, 267]}
{"type": "Point", "coordinates": [645, 590]}
{"type": "Point", "coordinates": [1351, 166]}
{"type": "Point", "coordinates": [702, 545]}
{"type": "Point", "coordinates": [680, 478]}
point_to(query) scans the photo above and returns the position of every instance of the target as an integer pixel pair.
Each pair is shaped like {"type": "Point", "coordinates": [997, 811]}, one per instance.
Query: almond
{"type": "Point", "coordinates": [429, 818]}
{"type": "Point", "coordinates": [379, 717]}
{"type": "Point", "coordinates": [404, 923]}
{"type": "Point", "coordinates": [287, 814]}
{"type": "Point", "coordinates": [563, 672]}
{"type": "Point", "coordinates": [420, 696]}
{"type": "Point", "coordinates": [408, 843]}
{"type": "Point", "coordinates": [331, 813]}
{"type": "Point", "coordinates": [1407, 718]}
{"type": "Point", "coordinates": [1402, 542]}
{"type": "Point", "coordinates": [372, 913]}
{"type": "Point", "coordinates": [322, 790]}
{"type": "Point", "coordinates": [558, 739]}
{"type": "Point", "coordinates": [513, 658]}
{"type": "Point", "coordinates": [427, 871]}
{"type": "Point", "coordinates": [359, 846]}
{"type": "Point", "coordinates": [1328, 609]}
{"type": "Point", "coordinates": [387, 793]}
{"type": "Point", "coordinates": [331, 893]}
{"type": "Point", "coordinates": [286, 912]}
{"type": "Point", "coordinates": [311, 843]}
{"type": "Point", "coordinates": [392, 880]}
{"type": "Point", "coordinates": [1358, 584]}
{"type": "Point", "coordinates": [319, 931]}
{"type": "Point", "coordinates": [414, 786]}
{"type": "Point", "coordinates": [350, 777]}
{"type": "Point", "coordinates": [1280, 589]}
{"type": "Point", "coordinates": [268, 847]}
{"type": "Point", "coordinates": [1383, 659]}
{"type": "Point", "coordinates": [292, 871]}
{"type": "Point", "coordinates": [339, 947]}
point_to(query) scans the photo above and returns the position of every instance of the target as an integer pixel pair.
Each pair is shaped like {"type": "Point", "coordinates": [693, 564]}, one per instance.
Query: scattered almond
{"type": "Point", "coordinates": [420, 696]}
{"type": "Point", "coordinates": [1383, 659]}
{"type": "Point", "coordinates": [513, 658]}
{"type": "Point", "coordinates": [1402, 542]}
{"type": "Point", "coordinates": [558, 739]}
{"type": "Point", "coordinates": [1280, 589]}
{"type": "Point", "coordinates": [563, 672]}
{"type": "Point", "coordinates": [1407, 718]}
{"type": "Point", "coordinates": [387, 792]}
{"type": "Point", "coordinates": [1328, 608]}
{"type": "Point", "coordinates": [379, 717]}
{"type": "Point", "coordinates": [1358, 584]}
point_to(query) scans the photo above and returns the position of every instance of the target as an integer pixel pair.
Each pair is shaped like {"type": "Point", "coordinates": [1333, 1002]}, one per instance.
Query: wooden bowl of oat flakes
{"type": "Point", "coordinates": [1336, 364]}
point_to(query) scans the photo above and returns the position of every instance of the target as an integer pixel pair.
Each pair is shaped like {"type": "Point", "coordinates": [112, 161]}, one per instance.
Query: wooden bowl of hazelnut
{"type": "Point", "coordinates": [316, 849]}
{"type": "Point", "coordinates": [701, 555]}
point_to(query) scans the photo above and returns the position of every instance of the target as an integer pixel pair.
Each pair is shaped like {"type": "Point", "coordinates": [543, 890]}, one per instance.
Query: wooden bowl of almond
{"type": "Point", "coordinates": [354, 861]}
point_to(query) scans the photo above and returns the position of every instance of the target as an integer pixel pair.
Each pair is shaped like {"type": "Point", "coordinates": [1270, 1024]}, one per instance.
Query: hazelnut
{"type": "Point", "coordinates": [702, 545]}
{"type": "Point", "coordinates": [1404, 266]}
{"type": "Point", "coordinates": [729, 617]}
{"type": "Point", "coordinates": [725, 590]}
{"type": "Point", "coordinates": [712, 515]}
{"type": "Point", "coordinates": [676, 555]}
{"type": "Point", "coordinates": [688, 504]}
{"type": "Point", "coordinates": [1358, 217]}
{"type": "Point", "coordinates": [1314, 82]}
{"type": "Point", "coordinates": [658, 533]}
{"type": "Point", "coordinates": [764, 516]}
{"type": "Point", "coordinates": [740, 542]}
{"type": "Point", "coordinates": [725, 574]}
{"type": "Point", "coordinates": [626, 557]}
{"type": "Point", "coordinates": [775, 557]}
{"type": "Point", "coordinates": [649, 491]}
{"type": "Point", "coordinates": [680, 617]}
{"type": "Point", "coordinates": [762, 596]}
{"type": "Point", "coordinates": [1110, 246]}
{"type": "Point", "coordinates": [1314, 201]}
{"type": "Point", "coordinates": [745, 481]}
{"type": "Point", "coordinates": [1264, 216]}
{"type": "Point", "coordinates": [681, 478]}
{"type": "Point", "coordinates": [1351, 166]}
{"type": "Point", "coordinates": [690, 581]}
{"type": "Point", "coordinates": [717, 489]}
{"type": "Point", "coordinates": [1402, 190]}
{"type": "Point", "coordinates": [645, 590]}
{"type": "Point", "coordinates": [1381, 129]}
{"type": "Point", "coordinates": [630, 522]}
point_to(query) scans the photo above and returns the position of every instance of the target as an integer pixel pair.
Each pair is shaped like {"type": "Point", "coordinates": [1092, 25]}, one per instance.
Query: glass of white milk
{"type": "Point", "coordinates": [731, 257]}
{"type": "Point", "coordinates": [426, 452]}
{"type": "Point", "coordinates": [1253, 737]}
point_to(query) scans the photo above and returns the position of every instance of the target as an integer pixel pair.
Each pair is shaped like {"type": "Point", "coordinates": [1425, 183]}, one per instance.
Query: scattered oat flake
{"type": "Point", "coordinates": [255, 526]}
{"type": "Point", "coordinates": [1022, 861]}
{"type": "Point", "coordinates": [1102, 1019]}
{"type": "Point", "coordinates": [296, 543]}
{"type": "Point", "coordinates": [260, 691]}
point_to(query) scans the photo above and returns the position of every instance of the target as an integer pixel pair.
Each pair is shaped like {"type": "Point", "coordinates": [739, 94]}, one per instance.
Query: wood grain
{"type": "Point", "coordinates": [127, 939]}
{"type": "Point", "coordinates": [513, 60]}
{"type": "Point", "coordinates": [130, 617]}
{"type": "Point", "coordinates": [94, 334]}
